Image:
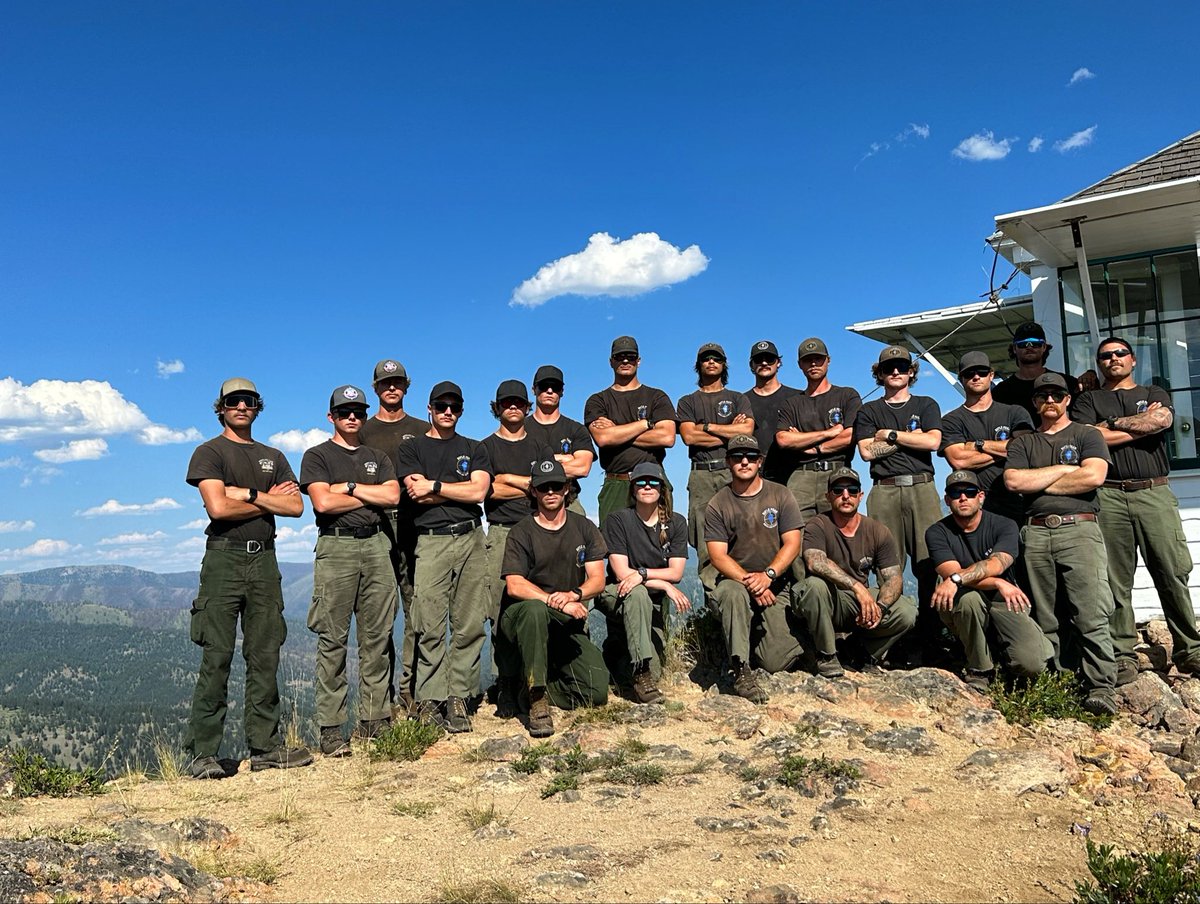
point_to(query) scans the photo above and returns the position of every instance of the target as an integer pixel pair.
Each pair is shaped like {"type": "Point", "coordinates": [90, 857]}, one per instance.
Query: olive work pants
{"type": "Point", "coordinates": [403, 541]}
{"type": "Point", "coordinates": [451, 585]}
{"type": "Point", "coordinates": [637, 630]}
{"type": "Point", "coordinates": [505, 662]}
{"type": "Point", "coordinates": [908, 512]}
{"type": "Point", "coordinates": [766, 637]}
{"type": "Point", "coordinates": [982, 621]}
{"type": "Point", "coordinates": [702, 486]}
{"type": "Point", "coordinates": [555, 653]}
{"type": "Point", "coordinates": [353, 578]}
{"type": "Point", "coordinates": [826, 609]}
{"type": "Point", "coordinates": [1068, 581]}
{"type": "Point", "coordinates": [809, 489]}
{"type": "Point", "coordinates": [614, 495]}
{"type": "Point", "coordinates": [1147, 522]}
{"type": "Point", "coordinates": [237, 584]}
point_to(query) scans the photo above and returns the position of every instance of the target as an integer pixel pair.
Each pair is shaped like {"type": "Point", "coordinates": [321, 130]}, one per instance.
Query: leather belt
{"type": "Point", "coordinates": [452, 530]}
{"type": "Point", "coordinates": [710, 466]}
{"type": "Point", "coordinates": [904, 480]}
{"type": "Point", "coordinates": [247, 546]}
{"type": "Point", "coordinates": [1130, 486]}
{"type": "Point", "coordinates": [817, 465]}
{"type": "Point", "coordinates": [612, 475]}
{"type": "Point", "coordinates": [1052, 520]}
{"type": "Point", "coordinates": [358, 533]}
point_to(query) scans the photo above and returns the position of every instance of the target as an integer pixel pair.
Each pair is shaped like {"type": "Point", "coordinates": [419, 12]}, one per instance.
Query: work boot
{"type": "Point", "coordinates": [369, 729]}
{"type": "Point", "coordinates": [978, 681]}
{"type": "Point", "coordinates": [644, 688]}
{"type": "Point", "coordinates": [829, 666]}
{"type": "Point", "coordinates": [207, 767]}
{"type": "Point", "coordinates": [280, 758]}
{"type": "Point", "coordinates": [1189, 666]}
{"type": "Point", "coordinates": [458, 720]}
{"type": "Point", "coordinates": [746, 685]}
{"type": "Point", "coordinates": [1100, 704]}
{"type": "Point", "coordinates": [333, 744]}
{"type": "Point", "coordinates": [403, 707]}
{"type": "Point", "coordinates": [1127, 671]}
{"type": "Point", "coordinates": [540, 722]}
{"type": "Point", "coordinates": [507, 706]}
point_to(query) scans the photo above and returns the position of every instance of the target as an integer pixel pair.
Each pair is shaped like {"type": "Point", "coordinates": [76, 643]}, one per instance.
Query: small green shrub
{"type": "Point", "coordinates": [417, 809]}
{"type": "Point", "coordinates": [404, 740]}
{"type": "Point", "coordinates": [1052, 695]}
{"type": "Point", "coordinates": [34, 775]}
{"type": "Point", "coordinates": [633, 748]}
{"type": "Point", "coordinates": [637, 774]}
{"type": "Point", "coordinates": [479, 817]}
{"type": "Point", "coordinates": [479, 891]}
{"type": "Point", "coordinates": [75, 834]}
{"type": "Point", "coordinates": [794, 770]}
{"type": "Point", "coordinates": [1169, 872]}
{"type": "Point", "coordinates": [531, 758]}
{"type": "Point", "coordinates": [608, 714]}
{"type": "Point", "coordinates": [700, 641]}
{"type": "Point", "coordinates": [750, 773]}
{"type": "Point", "coordinates": [564, 781]}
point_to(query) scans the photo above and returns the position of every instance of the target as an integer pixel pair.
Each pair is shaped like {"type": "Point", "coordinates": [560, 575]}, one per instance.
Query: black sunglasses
{"type": "Point", "coordinates": [442, 405]}
{"type": "Point", "coordinates": [249, 399]}
{"type": "Point", "coordinates": [759, 360]}
{"type": "Point", "coordinates": [625, 358]}
{"type": "Point", "coordinates": [895, 367]}
{"type": "Point", "coordinates": [959, 492]}
{"type": "Point", "coordinates": [743, 456]}
{"type": "Point", "coordinates": [975, 373]}
{"type": "Point", "coordinates": [551, 487]}
{"type": "Point", "coordinates": [643, 482]}
{"type": "Point", "coordinates": [843, 489]}
{"type": "Point", "coordinates": [1115, 353]}
{"type": "Point", "coordinates": [344, 413]}
{"type": "Point", "coordinates": [1056, 395]}
{"type": "Point", "coordinates": [555, 388]}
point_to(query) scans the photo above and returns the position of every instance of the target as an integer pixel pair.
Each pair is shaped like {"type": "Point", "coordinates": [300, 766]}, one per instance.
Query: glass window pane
{"type": "Point", "coordinates": [1074, 316]}
{"type": "Point", "coordinates": [1178, 283]}
{"type": "Point", "coordinates": [1080, 356]}
{"type": "Point", "coordinates": [1180, 354]}
{"type": "Point", "coordinates": [1181, 443]}
{"type": "Point", "coordinates": [1131, 296]}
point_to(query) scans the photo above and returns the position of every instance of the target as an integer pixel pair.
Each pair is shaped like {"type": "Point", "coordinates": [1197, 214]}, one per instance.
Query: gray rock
{"type": "Point", "coordinates": [783, 745]}
{"type": "Point", "coordinates": [850, 807]}
{"type": "Point", "coordinates": [193, 829]}
{"type": "Point", "coordinates": [719, 708]}
{"type": "Point", "coordinates": [501, 776]}
{"type": "Point", "coordinates": [939, 690]}
{"type": "Point", "coordinates": [773, 856]}
{"type": "Point", "coordinates": [610, 794]}
{"type": "Point", "coordinates": [732, 759]}
{"type": "Point", "coordinates": [754, 790]}
{"type": "Point", "coordinates": [576, 852]}
{"type": "Point", "coordinates": [772, 822]}
{"type": "Point", "coordinates": [797, 840]}
{"type": "Point", "coordinates": [829, 725]}
{"type": "Point", "coordinates": [1190, 748]}
{"type": "Point", "coordinates": [774, 894]}
{"type": "Point", "coordinates": [819, 823]}
{"type": "Point", "coordinates": [503, 750]}
{"type": "Point", "coordinates": [1147, 699]}
{"type": "Point", "coordinates": [779, 803]}
{"type": "Point", "coordinates": [492, 831]}
{"type": "Point", "coordinates": [569, 796]}
{"type": "Point", "coordinates": [690, 780]}
{"type": "Point", "coordinates": [977, 725]}
{"type": "Point", "coordinates": [716, 824]}
{"type": "Point", "coordinates": [745, 726]}
{"type": "Point", "coordinates": [1183, 768]}
{"type": "Point", "coordinates": [668, 752]}
{"type": "Point", "coordinates": [648, 715]}
{"type": "Point", "coordinates": [568, 878]}
{"type": "Point", "coordinates": [914, 741]}
{"type": "Point", "coordinates": [1163, 742]}
{"type": "Point", "coordinates": [1189, 693]}
{"type": "Point", "coordinates": [1016, 771]}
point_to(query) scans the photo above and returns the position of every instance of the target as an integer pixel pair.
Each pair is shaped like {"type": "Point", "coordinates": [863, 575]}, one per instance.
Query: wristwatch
{"type": "Point", "coordinates": [704, 426]}
{"type": "Point", "coordinates": [252, 494]}
{"type": "Point", "coordinates": [978, 445]}
{"type": "Point", "coordinates": [956, 579]}
{"type": "Point", "coordinates": [578, 591]}
{"type": "Point", "coordinates": [437, 487]}
{"type": "Point", "coordinates": [650, 422]}
{"type": "Point", "coordinates": [771, 573]}
{"type": "Point", "coordinates": [351, 486]}
{"type": "Point", "coordinates": [642, 574]}
{"type": "Point", "coordinates": [1111, 423]}
{"type": "Point", "coordinates": [891, 437]}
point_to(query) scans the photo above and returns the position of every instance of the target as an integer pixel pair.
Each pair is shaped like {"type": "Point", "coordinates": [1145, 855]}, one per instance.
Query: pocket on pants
{"type": "Point", "coordinates": [196, 629]}
{"type": "Point", "coordinates": [316, 612]}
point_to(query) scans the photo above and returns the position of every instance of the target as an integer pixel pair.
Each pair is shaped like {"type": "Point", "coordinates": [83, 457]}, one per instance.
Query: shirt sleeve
{"type": "Point", "coordinates": [406, 460]}
{"type": "Point", "coordinates": [1084, 409]}
{"type": "Point", "coordinates": [594, 408]}
{"type": "Point", "coordinates": [954, 430]}
{"type": "Point", "coordinates": [714, 525]}
{"type": "Point", "coordinates": [1156, 393]}
{"type": "Point", "coordinates": [743, 406]}
{"type": "Point", "coordinates": [814, 537]}
{"type": "Point", "coordinates": [887, 555]}
{"type": "Point", "coordinates": [481, 460]}
{"type": "Point", "coordinates": [1018, 453]}
{"type": "Point", "coordinates": [517, 558]}
{"type": "Point", "coordinates": [785, 417]}
{"type": "Point", "coordinates": [931, 415]}
{"type": "Point", "coordinates": [596, 550]}
{"type": "Point", "coordinates": [387, 471]}
{"type": "Point", "coordinates": [313, 469]}
{"type": "Point", "coordinates": [937, 541]}
{"type": "Point", "coordinates": [661, 408]}
{"type": "Point", "coordinates": [790, 516]}
{"type": "Point", "coordinates": [851, 407]}
{"type": "Point", "coordinates": [1092, 445]}
{"type": "Point", "coordinates": [205, 465]}
{"type": "Point", "coordinates": [677, 537]}
{"type": "Point", "coordinates": [864, 425]}
{"type": "Point", "coordinates": [1019, 419]}
{"type": "Point", "coordinates": [1007, 538]}
{"type": "Point", "coordinates": [686, 410]}
{"type": "Point", "coordinates": [615, 536]}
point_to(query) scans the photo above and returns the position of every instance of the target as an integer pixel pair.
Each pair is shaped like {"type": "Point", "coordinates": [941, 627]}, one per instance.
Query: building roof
{"type": "Point", "coordinates": [1176, 161]}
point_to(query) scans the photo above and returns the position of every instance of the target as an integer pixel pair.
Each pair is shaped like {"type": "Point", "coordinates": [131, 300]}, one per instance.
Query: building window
{"type": "Point", "coordinates": [1153, 302]}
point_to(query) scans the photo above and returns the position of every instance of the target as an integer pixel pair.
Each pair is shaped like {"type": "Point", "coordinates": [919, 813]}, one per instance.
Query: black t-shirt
{"type": "Point", "coordinates": [240, 465]}
{"type": "Point", "coordinates": [552, 560]}
{"type": "Point", "coordinates": [1072, 445]}
{"type": "Point", "coordinates": [752, 526]}
{"type": "Point", "coordinates": [1015, 391]}
{"type": "Point", "coordinates": [511, 457]}
{"type": "Point", "coordinates": [563, 437]}
{"type": "Point", "coordinates": [871, 549]}
{"type": "Point", "coordinates": [948, 542]}
{"type": "Point", "coordinates": [1146, 456]}
{"type": "Point", "coordinates": [331, 463]}
{"type": "Point", "coordinates": [388, 436]}
{"type": "Point", "coordinates": [999, 422]}
{"type": "Point", "coordinates": [779, 462]}
{"type": "Point", "coordinates": [625, 408]}
{"type": "Point", "coordinates": [716, 408]}
{"type": "Point", "coordinates": [808, 414]}
{"type": "Point", "coordinates": [627, 536]}
{"type": "Point", "coordinates": [917, 413]}
{"type": "Point", "coordinates": [450, 461]}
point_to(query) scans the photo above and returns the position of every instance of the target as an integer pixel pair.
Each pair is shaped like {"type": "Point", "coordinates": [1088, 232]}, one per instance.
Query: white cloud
{"type": "Point", "coordinates": [130, 539]}
{"type": "Point", "coordinates": [1082, 74]}
{"type": "Point", "coordinates": [112, 507]}
{"type": "Point", "coordinates": [921, 130]}
{"type": "Point", "coordinates": [297, 440]}
{"type": "Point", "coordinates": [168, 369]}
{"type": "Point", "coordinates": [13, 527]}
{"type": "Point", "coordinates": [75, 450]}
{"type": "Point", "coordinates": [198, 524]}
{"type": "Point", "coordinates": [39, 474]}
{"type": "Point", "coordinates": [11, 462]}
{"type": "Point", "coordinates": [609, 266]}
{"type": "Point", "coordinates": [1080, 139]}
{"type": "Point", "coordinates": [983, 146]}
{"type": "Point", "coordinates": [38, 549]}
{"type": "Point", "coordinates": [1035, 144]}
{"type": "Point", "coordinates": [53, 409]}
{"type": "Point", "coordinates": [296, 540]}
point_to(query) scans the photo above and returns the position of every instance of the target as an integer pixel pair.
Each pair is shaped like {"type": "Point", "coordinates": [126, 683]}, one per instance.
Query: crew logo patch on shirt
{"type": "Point", "coordinates": [1068, 454]}
{"type": "Point", "coordinates": [770, 517]}
{"type": "Point", "coordinates": [724, 408]}
{"type": "Point", "coordinates": [565, 445]}
{"type": "Point", "coordinates": [580, 555]}
{"type": "Point", "coordinates": [865, 564]}
{"type": "Point", "coordinates": [642, 412]}
{"type": "Point", "coordinates": [463, 467]}
{"type": "Point", "coordinates": [371, 467]}
{"type": "Point", "coordinates": [1002, 433]}
{"type": "Point", "coordinates": [406, 437]}
{"type": "Point", "coordinates": [914, 423]}
{"type": "Point", "coordinates": [1142, 406]}
{"type": "Point", "coordinates": [267, 465]}
{"type": "Point", "coordinates": [835, 417]}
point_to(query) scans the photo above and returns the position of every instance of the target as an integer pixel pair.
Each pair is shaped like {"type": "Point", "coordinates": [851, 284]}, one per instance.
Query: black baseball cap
{"type": "Point", "coordinates": [624, 344]}
{"type": "Point", "coordinates": [648, 469]}
{"type": "Point", "coordinates": [742, 442]}
{"type": "Point", "coordinates": [962, 477]}
{"type": "Point", "coordinates": [764, 347]}
{"type": "Point", "coordinates": [710, 348]}
{"type": "Point", "coordinates": [1050, 380]}
{"type": "Point", "coordinates": [548, 373]}
{"type": "Point", "coordinates": [812, 346]}
{"type": "Point", "coordinates": [547, 471]}
{"type": "Point", "coordinates": [845, 474]}
{"type": "Point", "coordinates": [1030, 329]}
{"type": "Point", "coordinates": [445, 388]}
{"type": "Point", "coordinates": [512, 389]}
{"type": "Point", "coordinates": [348, 397]}
{"type": "Point", "coordinates": [971, 360]}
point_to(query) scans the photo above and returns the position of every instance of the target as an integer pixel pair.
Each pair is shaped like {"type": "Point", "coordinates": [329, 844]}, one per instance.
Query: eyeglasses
{"type": "Point", "coordinates": [1029, 343]}
{"type": "Point", "coordinates": [1056, 395]}
{"type": "Point", "coordinates": [345, 413]}
{"type": "Point", "coordinates": [959, 492]}
{"type": "Point", "coordinates": [975, 374]}
{"type": "Point", "coordinates": [846, 489]}
{"type": "Point", "coordinates": [555, 388]}
{"type": "Point", "coordinates": [743, 456]}
{"type": "Point", "coordinates": [441, 405]}
{"type": "Point", "coordinates": [551, 488]}
{"type": "Point", "coordinates": [625, 358]}
{"type": "Point", "coordinates": [513, 403]}
{"type": "Point", "coordinates": [1115, 353]}
{"type": "Point", "coordinates": [393, 384]}
{"type": "Point", "coordinates": [242, 398]}
{"type": "Point", "coordinates": [895, 367]}
{"type": "Point", "coordinates": [708, 358]}
{"type": "Point", "coordinates": [643, 482]}
{"type": "Point", "coordinates": [760, 360]}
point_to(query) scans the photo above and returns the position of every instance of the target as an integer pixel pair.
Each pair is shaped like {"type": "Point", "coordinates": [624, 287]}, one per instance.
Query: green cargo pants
{"type": "Point", "coordinates": [505, 663]}
{"type": "Point", "coordinates": [702, 486]}
{"type": "Point", "coordinates": [614, 495]}
{"type": "Point", "coordinates": [1068, 581]}
{"type": "Point", "coordinates": [908, 512]}
{"type": "Point", "coordinates": [980, 619]}
{"type": "Point", "coordinates": [352, 578]}
{"type": "Point", "coordinates": [451, 588]}
{"type": "Point", "coordinates": [827, 609]}
{"type": "Point", "coordinates": [237, 584]}
{"type": "Point", "coordinates": [555, 653]}
{"type": "Point", "coordinates": [766, 637]}
{"type": "Point", "coordinates": [637, 630]}
{"type": "Point", "coordinates": [809, 489]}
{"type": "Point", "coordinates": [403, 540]}
{"type": "Point", "coordinates": [1147, 522]}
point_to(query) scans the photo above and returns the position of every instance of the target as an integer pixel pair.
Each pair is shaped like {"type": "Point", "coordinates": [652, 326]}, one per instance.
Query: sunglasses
{"type": "Point", "coordinates": [744, 456]}
{"type": "Point", "coordinates": [708, 358]}
{"type": "Point", "coordinates": [625, 358]}
{"type": "Point", "coordinates": [975, 374]}
{"type": "Point", "coordinates": [642, 482]}
{"type": "Point", "coordinates": [1115, 353]}
{"type": "Point", "coordinates": [1055, 396]}
{"type": "Point", "coordinates": [959, 492]}
{"type": "Point", "coordinates": [760, 360]}
{"type": "Point", "coordinates": [555, 388]}
{"type": "Point", "coordinates": [1029, 343]}
{"type": "Point", "coordinates": [551, 488]}
{"type": "Point", "coordinates": [345, 413]}
{"type": "Point", "coordinates": [241, 398]}
{"type": "Point", "coordinates": [895, 367]}
{"type": "Point", "coordinates": [846, 489]}
{"type": "Point", "coordinates": [513, 403]}
{"type": "Point", "coordinates": [440, 406]}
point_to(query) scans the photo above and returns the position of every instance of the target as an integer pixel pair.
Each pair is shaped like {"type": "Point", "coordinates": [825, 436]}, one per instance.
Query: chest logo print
{"type": "Point", "coordinates": [267, 465]}
{"type": "Point", "coordinates": [580, 555]}
{"type": "Point", "coordinates": [1002, 433]}
{"type": "Point", "coordinates": [835, 417]}
{"type": "Point", "coordinates": [371, 467]}
{"type": "Point", "coordinates": [1068, 454]}
{"type": "Point", "coordinates": [463, 466]}
{"type": "Point", "coordinates": [724, 408]}
{"type": "Point", "coordinates": [914, 423]}
{"type": "Point", "coordinates": [770, 517]}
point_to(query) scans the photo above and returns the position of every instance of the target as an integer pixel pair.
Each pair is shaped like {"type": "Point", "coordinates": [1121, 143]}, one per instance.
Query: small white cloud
{"type": "Point", "coordinates": [194, 525]}
{"type": "Point", "coordinates": [75, 450]}
{"type": "Point", "coordinates": [1035, 144]}
{"type": "Point", "coordinates": [609, 266]}
{"type": "Point", "coordinates": [168, 369]}
{"type": "Point", "coordinates": [39, 474]}
{"type": "Point", "coordinates": [11, 462]}
{"type": "Point", "coordinates": [1082, 74]}
{"type": "Point", "coordinates": [112, 507]}
{"type": "Point", "coordinates": [14, 527]}
{"type": "Point", "coordinates": [1080, 139]}
{"type": "Point", "coordinates": [983, 146]}
{"type": "Point", "coordinates": [132, 538]}
{"type": "Point", "coordinates": [921, 130]}
{"type": "Point", "coordinates": [297, 440]}
{"type": "Point", "coordinates": [38, 549]}
{"type": "Point", "coordinates": [158, 435]}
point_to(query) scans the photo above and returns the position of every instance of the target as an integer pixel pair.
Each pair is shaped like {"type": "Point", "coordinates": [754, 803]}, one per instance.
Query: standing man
{"type": "Point", "coordinates": [390, 428]}
{"type": "Point", "coordinates": [554, 564]}
{"type": "Point", "coordinates": [752, 528]}
{"type": "Point", "coordinates": [767, 396]}
{"type": "Point", "coordinates": [1138, 511]}
{"type": "Point", "coordinates": [349, 484]}
{"type": "Point", "coordinates": [630, 422]}
{"type": "Point", "coordinates": [708, 419]}
{"type": "Point", "coordinates": [447, 476]}
{"type": "Point", "coordinates": [1058, 468]}
{"type": "Point", "coordinates": [817, 427]}
{"type": "Point", "coordinates": [841, 550]}
{"type": "Point", "coordinates": [1030, 351]}
{"type": "Point", "coordinates": [978, 597]}
{"type": "Point", "coordinates": [244, 485]}
{"type": "Point", "coordinates": [570, 440]}
{"type": "Point", "coordinates": [975, 436]}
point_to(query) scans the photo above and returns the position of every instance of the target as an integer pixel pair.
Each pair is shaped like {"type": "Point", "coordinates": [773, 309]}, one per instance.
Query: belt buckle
{"type": "Point", "coordinates": [254, 546]}
{"type": "Point", "coordinates": [904, 480]}
{"type": "Point", "coordinates": [1054, 520]}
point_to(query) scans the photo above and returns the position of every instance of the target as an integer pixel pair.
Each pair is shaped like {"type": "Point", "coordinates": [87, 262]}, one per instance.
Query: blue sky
{"type": "Point", "coordinates": [291, 192]}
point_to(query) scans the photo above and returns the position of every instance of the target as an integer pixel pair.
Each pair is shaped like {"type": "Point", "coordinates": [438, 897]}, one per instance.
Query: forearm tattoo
{"type": "Point", "coordinates": [881, 449]}
{"type": "Point", "coordinates": [818, 564]}
{"type": "Point", "coordinates": [891, 583]}
{"type": "Point", "coordinates": [981, 569]}
{"type": "Point", "coordinates": [1146, 423]}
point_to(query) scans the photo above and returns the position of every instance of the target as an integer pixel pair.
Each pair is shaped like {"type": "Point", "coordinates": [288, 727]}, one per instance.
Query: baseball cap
{"type": "Point", "coordinates": [548, 373]}
{"type": "Point", "coordinates": [847, 474]}
{"type": "Point", "coordinates": [237, 384]}
{"type": "Point", "coordinates": [741, 442]}
{"type": "Point", "coordinates": [813, 346]}
{"type": "Point", "coordinates": [1050, 380]}
{"type": "Point", "coordinates": [973, 359]}
{"type": "Point", "coordinates": [348, 396]}
{"type": "Point", "coordinates": [895, 353]}
{"type": "Point", "coordinates": [957, 477]}
{"type": "Point", "coordinates": [624, 344]}
{"type": "Point", "coordinates": [1109, 340]}
{"type": "Point", "coordinates": [710, 348]}
{"type": "Point", "coordinates": [647, 469]}
{"type": "Point", "coordinates": [547, 471]}
{"type": "Point", "coordinates": [764, 347]}
{"type": "Point", "coordinates": [445, 388]}
{"type": "Point", "coordinates": [388, 368]}
{"type": "Point", "coordinates": [512, 389]}
{"type": "Point", "coordinates": [1029, 330]}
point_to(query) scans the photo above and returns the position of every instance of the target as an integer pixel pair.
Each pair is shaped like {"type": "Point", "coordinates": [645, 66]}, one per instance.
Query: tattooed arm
{"type": "Point", "coordinates": [1154, 419]}
{"type": "Point", "coordinates": [891, 585]}
{"type": "Point", "coordinates": [819, 565]}
{"type": "Point", "coordinates": [871, 449]}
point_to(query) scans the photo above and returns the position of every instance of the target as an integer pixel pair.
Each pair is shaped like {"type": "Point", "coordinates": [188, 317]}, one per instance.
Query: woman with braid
{"type": "Point", "coordinates": [647, 546]}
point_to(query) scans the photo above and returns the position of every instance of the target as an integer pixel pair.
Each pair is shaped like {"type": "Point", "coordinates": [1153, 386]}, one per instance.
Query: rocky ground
{"type": "Point", "coordinates": [903, 786]}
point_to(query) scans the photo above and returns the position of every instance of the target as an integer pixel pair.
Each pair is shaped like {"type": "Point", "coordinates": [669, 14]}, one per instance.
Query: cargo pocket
{"type": "Point", "coordinates": [199, 605]}
{"type": "Point", "coordinates": [315, 611]}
